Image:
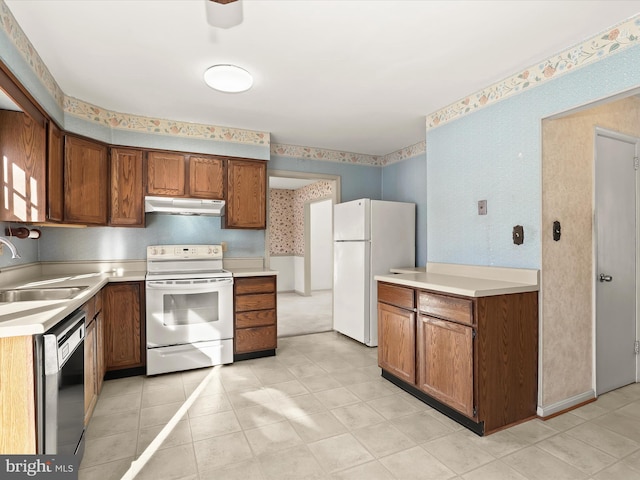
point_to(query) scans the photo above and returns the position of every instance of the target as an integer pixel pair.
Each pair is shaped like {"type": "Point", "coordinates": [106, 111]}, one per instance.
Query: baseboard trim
{"type": "Point", "coordinates": [567, 404]}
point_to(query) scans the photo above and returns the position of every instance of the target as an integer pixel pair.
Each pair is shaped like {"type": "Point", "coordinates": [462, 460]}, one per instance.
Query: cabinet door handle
{"type": "Point", "coordinates": [605, 278]}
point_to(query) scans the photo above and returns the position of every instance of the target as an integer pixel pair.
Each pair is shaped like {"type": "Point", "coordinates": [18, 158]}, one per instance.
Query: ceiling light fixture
{"type": "Point", "coordinates": [228, 78]}
{"type": "Point", "coordinates": [223, 13]}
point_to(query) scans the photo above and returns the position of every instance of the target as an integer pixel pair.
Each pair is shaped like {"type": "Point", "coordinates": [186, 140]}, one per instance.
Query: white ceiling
{"type": "Point", "coordinates": [356, 76]}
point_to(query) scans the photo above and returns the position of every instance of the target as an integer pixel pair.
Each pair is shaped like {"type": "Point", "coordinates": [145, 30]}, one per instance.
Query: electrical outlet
{"type": "Point", "coordinates": [482, 207]}
{"type": "Point", "coordinates": [224, 246]}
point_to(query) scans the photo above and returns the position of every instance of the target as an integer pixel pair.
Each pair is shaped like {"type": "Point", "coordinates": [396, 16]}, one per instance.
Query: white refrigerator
{"type": "Point", "coordinates": [369, 238]}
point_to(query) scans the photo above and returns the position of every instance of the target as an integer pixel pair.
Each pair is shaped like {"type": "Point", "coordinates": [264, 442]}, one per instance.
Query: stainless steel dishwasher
{"type": "Point", "coordinates": [60, 387]}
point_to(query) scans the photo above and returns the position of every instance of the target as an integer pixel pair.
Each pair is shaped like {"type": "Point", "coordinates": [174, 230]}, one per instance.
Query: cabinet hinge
{"type": "Point", "coordinates": [636, 347]}
{"type": "Point", "coordinates": [636, 163]}
{"type": "Point", "coordinates": [475, 411]}
{"type": "Point", "coordinates": [473, 334]}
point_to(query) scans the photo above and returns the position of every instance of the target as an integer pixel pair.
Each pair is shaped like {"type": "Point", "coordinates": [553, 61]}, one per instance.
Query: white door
{"type": "Point", "coordinates": [351, 289]}
{"type": "Point", "coordinates": [615, 216]}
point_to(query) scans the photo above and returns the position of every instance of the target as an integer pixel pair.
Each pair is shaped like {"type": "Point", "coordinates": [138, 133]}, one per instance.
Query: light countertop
{"type": "Point", "coordinates": [35, 317]}
{"type": "Point", "coordinates": [252, 272]}
{"type": "Point", "coordinates": [467, 280]}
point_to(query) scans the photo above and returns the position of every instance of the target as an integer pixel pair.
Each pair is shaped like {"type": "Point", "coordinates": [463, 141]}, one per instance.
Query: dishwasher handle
{"type": "Point", "coordinates": [63, 340]}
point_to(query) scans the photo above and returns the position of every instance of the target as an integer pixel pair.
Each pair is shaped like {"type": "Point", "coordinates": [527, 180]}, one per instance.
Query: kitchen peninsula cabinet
{"type": "Point", "coordinates": [124, 338]}
{"type": "Point", "coordinates": [445, 350]}
{"type": "Point", "coordinates": [397, 331]}
{"type": "Point", "coordinates": [86, 172]}
{"type": "Point", "coordinates": [255, 331]}
{"type": "Point", "coordinates": [475, 357]}
{"type": "Point", "coordinates": [172, 174]}
{"type": "Point", "coordinates": [23, 148]}
{"type": "Point", "coordinates": [127, 195]}
{"type": "Point", "coordinates": [246, 194]}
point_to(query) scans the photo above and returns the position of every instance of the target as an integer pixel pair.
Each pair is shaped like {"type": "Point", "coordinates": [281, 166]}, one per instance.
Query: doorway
{"type": "Point", "coordinates": [298, 238]}
{"type": "Point", "coordinates": [616, 259]}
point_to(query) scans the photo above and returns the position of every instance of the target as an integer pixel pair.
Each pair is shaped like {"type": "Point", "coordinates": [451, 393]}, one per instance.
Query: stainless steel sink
{"type": "Point", "coordinates": [33, 294]}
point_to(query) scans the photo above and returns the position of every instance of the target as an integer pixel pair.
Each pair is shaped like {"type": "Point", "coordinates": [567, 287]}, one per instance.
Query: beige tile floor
{"type": "Point", "coordinates": [320, 410]}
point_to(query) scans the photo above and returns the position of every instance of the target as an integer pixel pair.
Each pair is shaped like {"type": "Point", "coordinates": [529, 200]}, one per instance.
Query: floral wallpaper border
{"type": "Point", "coordinates": [314, 153]}
{"type": "Point", "coordinates": [614, 40]}
{"type": "Point", "coordinates": [123, 121]}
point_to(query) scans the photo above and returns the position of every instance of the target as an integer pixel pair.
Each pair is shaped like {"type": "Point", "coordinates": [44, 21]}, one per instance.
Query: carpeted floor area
{"type": "Point", "coordinates": [299, 315]}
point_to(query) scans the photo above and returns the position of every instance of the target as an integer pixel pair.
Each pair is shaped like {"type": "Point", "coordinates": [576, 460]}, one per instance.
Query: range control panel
{"type": "Point", "coordinates": [174, 252]}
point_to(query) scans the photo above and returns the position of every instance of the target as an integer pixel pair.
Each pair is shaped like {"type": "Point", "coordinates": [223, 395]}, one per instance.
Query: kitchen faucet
{"type": "Point", "coordinates": [12, 247]}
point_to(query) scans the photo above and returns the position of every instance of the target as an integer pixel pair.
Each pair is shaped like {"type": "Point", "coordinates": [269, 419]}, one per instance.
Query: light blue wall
{"type": "Point", "coordinates": [405, 181]}
{"type": "Point", "coordinates": [110, 243]}
{"type": "Point", "coordinates": [478, 157]}
{"type": "Point", "coordinates": [358, 181]}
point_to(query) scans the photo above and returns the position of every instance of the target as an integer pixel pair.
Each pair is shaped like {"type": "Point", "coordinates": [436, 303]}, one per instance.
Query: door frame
{"type": "Point", "coordinates": [337, 195]}
{"type": "Point", "coordinates": [599, 131]}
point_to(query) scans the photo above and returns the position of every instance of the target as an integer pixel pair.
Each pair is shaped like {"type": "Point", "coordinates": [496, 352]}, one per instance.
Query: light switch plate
{"type": "Point", "coordinates": [482, 207]}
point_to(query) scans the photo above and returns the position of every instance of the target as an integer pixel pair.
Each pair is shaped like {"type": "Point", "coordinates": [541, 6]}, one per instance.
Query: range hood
{"type": "Point", "coordinates": [184, 206]}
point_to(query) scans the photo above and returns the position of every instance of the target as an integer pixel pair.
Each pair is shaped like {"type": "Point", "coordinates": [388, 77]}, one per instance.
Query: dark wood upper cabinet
{"type": "Point", "coordinates": [55, 177]}
{"type": "Point", "coordinates": [86, 173]}
{"type": "Point", "coordinates": [165, 174]}
{"type": "Point", "coordinates": [23, 170]}
{"type": "Point", "coordinates": [206, 177]}
{"type": "Point", "coordinates": [246, 194]}
{"type": "Point", "coordinates": [127, 193]}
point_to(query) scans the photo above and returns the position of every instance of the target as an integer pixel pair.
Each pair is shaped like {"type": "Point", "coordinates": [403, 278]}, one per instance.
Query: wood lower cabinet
{"type": "Point", "coordinates": [246, 194]}
{"type": "Point", "coordinates": [127, 192]}
{"type": "Point", "coordinates": [124, 340]}
{"type": "Point", "coordinates": [90, 371]}
{"type": "Point", "coordinates": [445, 362]}
{"type": "Point", "coordinates": [476, 358]}
{"type": "Point", "coordinates": [93, 354]}
{"type": "Point", "coordinates": [23, 150]}
{"type": "Point", "coordinates": [17, 396]}
{"type": "Point", "coordinates": [397, 331]}
{"type": "Point", "coordinates": [255, 329]}
{"type": "Point", "coordinates": [85, 181]}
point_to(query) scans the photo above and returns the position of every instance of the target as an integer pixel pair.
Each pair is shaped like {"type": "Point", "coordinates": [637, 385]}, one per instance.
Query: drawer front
{"type": "Point", "coordinates": [255, 339]}
{"type": "Point", "coordinates": [394, 295]}
{"type": "Point", "coordinates": [449, 308]}
{"type": "Point", "coordinates": [255, 285]}
{"type": "Point", "coordinates": [257, 318]}
{"type": "Point", "coordinates": [261, 301]}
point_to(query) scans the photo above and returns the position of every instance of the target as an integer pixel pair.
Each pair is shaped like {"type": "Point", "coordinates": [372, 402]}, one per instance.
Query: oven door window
{"type": "Point", "coordinates": [187, 314]}
{"type": "Point", "coordinates": [189, 309]}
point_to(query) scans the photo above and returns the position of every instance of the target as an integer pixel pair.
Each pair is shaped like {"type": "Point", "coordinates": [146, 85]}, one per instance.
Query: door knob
{"type": "Point", "coordinates": [605, 278]}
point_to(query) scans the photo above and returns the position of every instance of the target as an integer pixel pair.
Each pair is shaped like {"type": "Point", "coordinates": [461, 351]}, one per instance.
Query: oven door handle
{"type": "Point", "coordinates": [165, 285]}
